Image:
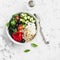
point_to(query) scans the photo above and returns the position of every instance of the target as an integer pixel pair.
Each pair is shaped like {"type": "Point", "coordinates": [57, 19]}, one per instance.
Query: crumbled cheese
{"type": "Point", "coordinates": [31, 27]}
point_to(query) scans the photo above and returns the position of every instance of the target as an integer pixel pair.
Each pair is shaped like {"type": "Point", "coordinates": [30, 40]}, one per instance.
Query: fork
{"type": "Point", "coordinates": [44, 39]}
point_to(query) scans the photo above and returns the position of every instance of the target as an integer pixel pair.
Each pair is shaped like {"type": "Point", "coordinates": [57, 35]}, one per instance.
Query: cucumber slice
{"type": "Point", "coordinates": [22, 15]}
{"type": "Point", "coordinates": [31, 19]}
{"type": "Point", "coordinates": [22, 20]}
{"type": "Point", "coordinates": [25, 17]}
{"type": "Point", "coordinates": [26, 22]}
{"type": "Point", "coordinates": [28, 17]}
{"type": "Point", "coordinates": [25, 14]}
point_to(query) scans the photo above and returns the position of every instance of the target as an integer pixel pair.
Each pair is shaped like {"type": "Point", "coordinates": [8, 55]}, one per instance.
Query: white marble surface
{"type": "Point", "coordinates": [49, 12]}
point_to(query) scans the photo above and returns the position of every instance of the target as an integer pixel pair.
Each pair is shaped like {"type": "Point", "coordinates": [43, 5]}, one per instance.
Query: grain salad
{"type": "Point", "coordinates": [22, 27]}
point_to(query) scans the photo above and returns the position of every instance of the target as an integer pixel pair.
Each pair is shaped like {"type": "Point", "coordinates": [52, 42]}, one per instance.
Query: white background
{"type": "Point", "coordinates": [49, 12]}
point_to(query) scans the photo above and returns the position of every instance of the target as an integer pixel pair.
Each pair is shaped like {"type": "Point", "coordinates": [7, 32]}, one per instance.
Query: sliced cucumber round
{"type": "Point", "coordinates": [28, 17]}
{"type": "Point", "coordinates": [25, 17]}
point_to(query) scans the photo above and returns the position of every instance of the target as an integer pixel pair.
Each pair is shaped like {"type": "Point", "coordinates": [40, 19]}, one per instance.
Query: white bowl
{"type": "Point", "coordinates": [16, 41]}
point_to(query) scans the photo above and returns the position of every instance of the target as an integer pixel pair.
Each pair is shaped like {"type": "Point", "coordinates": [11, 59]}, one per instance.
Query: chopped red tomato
{"type": "Point", "coordinates": [20, 27]}
{"type": "Point", "coordinates": [17, 36]}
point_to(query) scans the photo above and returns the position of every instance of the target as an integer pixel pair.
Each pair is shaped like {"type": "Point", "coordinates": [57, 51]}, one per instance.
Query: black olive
{"type": "Point", "coordinates": [18, 22]}
{"type": "Point", "coordinates": [10, 32]}
{"type": "Point", "coordinates": [23, 41]}
{"type": "Point", "coordinates": [16, 25]}
{"type": "Point", "coordinates": [9, 28]}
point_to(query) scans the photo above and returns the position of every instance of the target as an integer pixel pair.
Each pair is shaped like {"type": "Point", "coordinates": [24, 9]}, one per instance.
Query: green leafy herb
{"type": "Point", "coordinates": [34, 45]}
{"type": "Point", "coordinates": [27, 50]}
{"type": "Point", "coordinates": [7, 24]}
{"type": "Point", "coordinates": [13, 22]}
{"type": "Point", "coordinates": [14, 30]}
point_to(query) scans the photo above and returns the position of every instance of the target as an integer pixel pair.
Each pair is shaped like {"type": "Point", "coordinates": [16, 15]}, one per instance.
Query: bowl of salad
{"type": "Point", "coordinates": [22, 28]}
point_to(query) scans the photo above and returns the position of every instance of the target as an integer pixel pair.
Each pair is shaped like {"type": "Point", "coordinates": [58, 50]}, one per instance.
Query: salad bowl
{"type": "Point", "coordinates": [22, 28]}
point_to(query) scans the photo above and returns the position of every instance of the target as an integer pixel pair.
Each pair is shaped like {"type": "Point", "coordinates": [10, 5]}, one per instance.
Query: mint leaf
{"type": "Point", "coordinates": [27, 50]}
{"type": "Point", "coordinates": [34, 45]}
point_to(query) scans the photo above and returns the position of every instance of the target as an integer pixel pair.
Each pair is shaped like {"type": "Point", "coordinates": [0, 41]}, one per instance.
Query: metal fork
{"type": "Point", "coordinates": [44, 39]}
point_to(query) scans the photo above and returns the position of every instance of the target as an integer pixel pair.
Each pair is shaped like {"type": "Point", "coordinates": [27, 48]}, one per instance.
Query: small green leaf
{"type": "Point", "coordinates": [14, 30]}
{"type": "Point", "coordinates": [27, 50]}
{"type": "Point", "coordinates": [13, 22]}
{"type": "Point", "coordinates": [34, 45]}
{"type": "Point", "coordinates": [7, 24]}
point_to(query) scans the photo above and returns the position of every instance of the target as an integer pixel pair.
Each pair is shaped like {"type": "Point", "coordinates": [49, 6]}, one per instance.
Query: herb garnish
{"type": "Point", "coordinates": [27, 50]}
{"type": "Point", "coordinates": [34, 45]}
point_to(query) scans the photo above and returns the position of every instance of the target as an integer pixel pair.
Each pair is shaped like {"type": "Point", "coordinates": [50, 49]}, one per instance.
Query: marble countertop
{"type": "Point", "coordinates": [49, 13]}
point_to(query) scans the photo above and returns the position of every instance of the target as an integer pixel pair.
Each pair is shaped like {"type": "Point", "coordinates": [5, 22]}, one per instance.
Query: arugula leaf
{"type": "Point", "coordinates": [14, 30]}
{"type": "Point", "coordinates": [13, 22]}
{"type": "Point", "coordinates": [7, 24]}
{"type": "Point", "coordinates": [34, 45]}
{"type": "Point", "coordinates": [27, 50]}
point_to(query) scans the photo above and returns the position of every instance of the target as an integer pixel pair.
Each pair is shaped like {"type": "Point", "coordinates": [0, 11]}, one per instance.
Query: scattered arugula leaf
{"type": "Point", "coordinates": [34, 45]}
{"type": "Point", "coordinates": [27, 50]}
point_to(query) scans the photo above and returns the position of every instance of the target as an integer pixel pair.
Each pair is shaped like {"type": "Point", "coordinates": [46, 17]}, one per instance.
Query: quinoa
{"type": "Point", "coordinates": [28, 35]}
